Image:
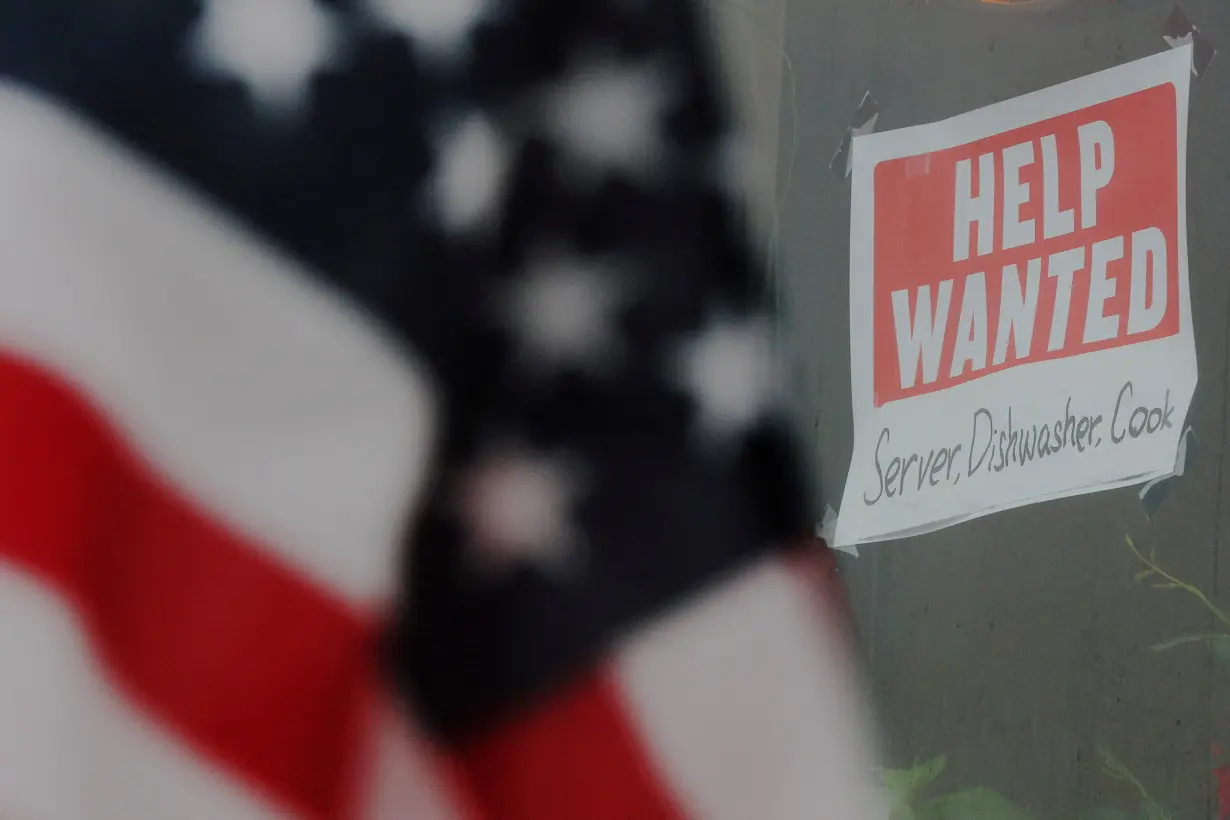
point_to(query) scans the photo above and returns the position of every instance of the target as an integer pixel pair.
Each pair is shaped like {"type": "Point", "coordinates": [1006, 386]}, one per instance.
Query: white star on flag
{"type": "Point", "coordinates": [562, 311]}
{"type": "Point", "coordinates": [273, 46]}
{"type": "Point", "coordinates": [517, 507]}
{"type": "Point", "coordinates": [731, 372]}
{"type": "Point", "coordinates": [470, 173]}
{"type": "Point", "coordinates": [610, 115]}
{"type": "Point", "coordinates": [440, 25]}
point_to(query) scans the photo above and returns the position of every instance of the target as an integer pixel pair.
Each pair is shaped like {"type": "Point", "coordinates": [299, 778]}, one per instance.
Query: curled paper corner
{"type": "Point", "coordinates": [827, 531]}
{"type": "Point", "coordinates": [1155, 493]}
{"type": "Point", "coordinates": [864, 123]}
{"type": "Point", "coordinates": [1179, 31]}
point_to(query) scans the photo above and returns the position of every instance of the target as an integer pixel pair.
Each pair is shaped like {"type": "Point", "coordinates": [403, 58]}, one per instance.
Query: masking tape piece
{"type": "Point", "coordinates": [1179, 31]}
{"type": "Point", "coordinates": [826, 530]}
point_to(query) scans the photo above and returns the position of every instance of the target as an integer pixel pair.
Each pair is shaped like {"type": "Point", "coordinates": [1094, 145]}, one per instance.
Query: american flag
{"type": "Point", "coordinates": [391, 426]}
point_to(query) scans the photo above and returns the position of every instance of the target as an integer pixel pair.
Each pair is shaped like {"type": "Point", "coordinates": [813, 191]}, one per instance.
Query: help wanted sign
{"type": "Point", "coordinates": [1020, 317]}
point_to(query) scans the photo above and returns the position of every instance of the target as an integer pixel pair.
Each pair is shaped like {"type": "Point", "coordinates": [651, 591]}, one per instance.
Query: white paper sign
{"type": "Point", "coordinates": [1020, 318]}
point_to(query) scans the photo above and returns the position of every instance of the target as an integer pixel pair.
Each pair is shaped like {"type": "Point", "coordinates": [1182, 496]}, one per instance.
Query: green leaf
{"type": "Point", "coordinates": [1114, 766]}
{"type": "Point", "coordinates": [1105, 814]}
{"type": "Point", "coordinates": [1152, 811]}
{"type": "Point", "coordinates": [973, 804]}
{"type": "Point", "coordinates": [905, 784]}
{"type": "Point", "coordinates": [1142, 575]}
{"type": "Point", "coordinates": [902, 811]}
{"type": "Point", "coordinates": [1195, 637]}
{"type": "Point", "coordinates": [1221, 651]}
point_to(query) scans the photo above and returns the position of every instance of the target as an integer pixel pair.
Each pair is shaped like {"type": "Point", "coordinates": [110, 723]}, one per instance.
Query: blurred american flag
{"type": "Point", "coordinates": [327, 494]}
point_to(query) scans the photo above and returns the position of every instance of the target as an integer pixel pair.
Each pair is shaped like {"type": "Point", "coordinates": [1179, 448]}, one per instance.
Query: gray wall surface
{"type": "Point", "coordinates": [749, 36]}
{"type": "Point", "coordinates": [1016, 642]}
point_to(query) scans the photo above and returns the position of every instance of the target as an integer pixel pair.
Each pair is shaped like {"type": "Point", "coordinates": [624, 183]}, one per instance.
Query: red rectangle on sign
{"type": "Point", "coordinates": [1048, 241]}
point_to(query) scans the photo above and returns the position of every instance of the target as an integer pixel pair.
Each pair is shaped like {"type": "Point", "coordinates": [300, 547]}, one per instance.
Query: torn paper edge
{"type": "Point", "coordinates": [1154, 493]}
{"type": "Point", "coordinates": [864, 123]}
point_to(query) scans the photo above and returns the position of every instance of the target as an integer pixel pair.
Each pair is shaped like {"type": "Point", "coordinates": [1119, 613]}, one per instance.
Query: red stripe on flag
{"type": "Point", "coordinates": [577, 756]}
{"type": "Point", "coordinates": [245, 660]}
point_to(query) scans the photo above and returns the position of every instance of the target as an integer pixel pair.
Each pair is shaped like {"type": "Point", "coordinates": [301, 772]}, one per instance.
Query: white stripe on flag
{"type": "Point", "coordinates": [749, 704]}
{"type": "Point", "coordinates": [72, 748]}
{"type": "Point", "coordinates": [259, 393]}
{"type": "Point", "coordinates": [405, 782]}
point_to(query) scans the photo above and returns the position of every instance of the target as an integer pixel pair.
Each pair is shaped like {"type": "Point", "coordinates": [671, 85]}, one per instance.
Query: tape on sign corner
{"type": "Point", "coordinates": [1179, 31]}
{"type": "Point", "coordinates": [1155, 493]}
{"type": "Point", "coordinates": [864, 123]}
{"type": "Point", "coordinates": [826, 530]}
